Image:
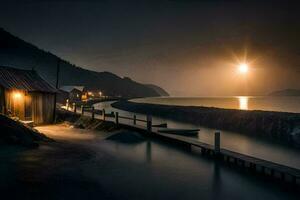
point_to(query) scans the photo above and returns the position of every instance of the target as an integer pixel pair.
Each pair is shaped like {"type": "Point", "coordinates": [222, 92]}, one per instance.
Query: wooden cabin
{"type": "Point", "coordinates": [75, 93]}
{"type": "Point", "coordinates": [24, 94]}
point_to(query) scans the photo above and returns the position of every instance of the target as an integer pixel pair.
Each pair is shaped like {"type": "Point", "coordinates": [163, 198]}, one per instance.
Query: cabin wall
{"type": "Point", "coordinates": [28, 108]}
{"type": "Point", "coordinates": [2, 100]}
{"type": "Point", "coordinates": [34, 106]}
{"type": "Point", "coordinates": [42, 108]}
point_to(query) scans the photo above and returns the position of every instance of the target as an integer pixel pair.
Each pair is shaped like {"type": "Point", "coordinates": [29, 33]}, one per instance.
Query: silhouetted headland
{"type": "Point", "coordinates": [286, 92]}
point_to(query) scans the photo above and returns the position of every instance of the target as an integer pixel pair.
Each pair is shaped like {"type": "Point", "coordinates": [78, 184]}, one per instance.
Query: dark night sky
{"type": "Point", "coordinates": [187, 47]}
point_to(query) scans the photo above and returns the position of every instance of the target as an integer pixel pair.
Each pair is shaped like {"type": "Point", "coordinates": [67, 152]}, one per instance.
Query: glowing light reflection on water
{"type": "Point", "coordinates": [243, 102]}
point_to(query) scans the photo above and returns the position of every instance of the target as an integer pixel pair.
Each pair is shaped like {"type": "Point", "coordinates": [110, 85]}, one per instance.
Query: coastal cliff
{"type": "Point", "coordinates": [276, 125]}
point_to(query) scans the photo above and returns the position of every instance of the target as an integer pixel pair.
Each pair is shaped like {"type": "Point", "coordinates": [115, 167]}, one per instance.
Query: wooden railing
{"type": "Point", "coordinates": [116, 116]}
{"type": "Point", "coordinates": [148, 120]}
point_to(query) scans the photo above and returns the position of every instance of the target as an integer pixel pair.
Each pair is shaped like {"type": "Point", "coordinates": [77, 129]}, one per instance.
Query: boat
{"type": "Point", "coordinates": [179, 131]}
{"type": "Point", "coordinates": [163, 125]}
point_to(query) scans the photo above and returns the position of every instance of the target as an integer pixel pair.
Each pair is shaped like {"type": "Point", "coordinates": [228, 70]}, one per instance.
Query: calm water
{"type": "Point", "coordinates": [127, 166]}
{"type": "Point", "coordinates": [155, 170]}
{"type": "Point", "coordinates": [268, 150]}
{"type": "Point", "coordinates": [282, 104]}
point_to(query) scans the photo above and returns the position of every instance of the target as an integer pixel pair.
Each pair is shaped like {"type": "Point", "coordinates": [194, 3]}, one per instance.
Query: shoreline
{"type": "Point", "coordinates": [87, 164]}
{"type": "Point", "coordinates": [273, 125]}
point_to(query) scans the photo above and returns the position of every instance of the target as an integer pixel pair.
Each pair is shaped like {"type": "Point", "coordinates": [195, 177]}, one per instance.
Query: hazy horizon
{"type": "Point", "coordinates": [189, 48]}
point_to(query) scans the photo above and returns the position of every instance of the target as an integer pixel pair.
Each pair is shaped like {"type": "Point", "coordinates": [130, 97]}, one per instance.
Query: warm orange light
{"type": "Point", "coordinates": [84, 97]}
{"type": "Point", "coordinates": [243, 68]}
{"type": "Point", "coordinates": [17, 95]}
{"type": "Point", "coordinates": [243, 102]}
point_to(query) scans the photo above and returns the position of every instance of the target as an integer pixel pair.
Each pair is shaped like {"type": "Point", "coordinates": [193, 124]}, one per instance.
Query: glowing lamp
{"type": "Point", "coordinates": [17, 95]}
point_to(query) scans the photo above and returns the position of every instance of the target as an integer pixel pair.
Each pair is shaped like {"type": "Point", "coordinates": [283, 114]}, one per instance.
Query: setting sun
{"type": "Point", "coordinates": [243, 68]}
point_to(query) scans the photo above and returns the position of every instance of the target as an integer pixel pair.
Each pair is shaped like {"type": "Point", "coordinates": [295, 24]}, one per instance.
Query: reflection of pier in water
{"type": "Point", "coordinates": [148, 151]}
{"type": "Point", "coordinates": [216, 182]}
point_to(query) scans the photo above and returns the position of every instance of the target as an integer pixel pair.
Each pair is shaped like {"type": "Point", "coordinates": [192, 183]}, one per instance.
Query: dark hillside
{"type": "Point", "coordinates": [17, 53]}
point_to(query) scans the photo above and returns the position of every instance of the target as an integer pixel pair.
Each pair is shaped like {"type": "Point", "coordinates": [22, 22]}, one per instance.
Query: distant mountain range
{"type": "Point", "coordinates": [17, 53]}
{"type": "Point", "coordinates": [286, 92]}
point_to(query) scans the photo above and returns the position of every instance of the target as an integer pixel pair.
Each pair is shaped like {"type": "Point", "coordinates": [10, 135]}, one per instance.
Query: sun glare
{"type": "Point", "coordinates": [243, 68]}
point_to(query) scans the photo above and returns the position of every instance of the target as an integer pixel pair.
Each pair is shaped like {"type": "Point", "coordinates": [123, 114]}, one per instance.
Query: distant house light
{"type": "Point", "coordinates": [84, 97]}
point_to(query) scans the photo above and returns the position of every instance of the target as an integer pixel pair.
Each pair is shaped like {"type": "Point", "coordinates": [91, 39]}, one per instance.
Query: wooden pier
{"type": "Point", "coordinates": [261, 166]}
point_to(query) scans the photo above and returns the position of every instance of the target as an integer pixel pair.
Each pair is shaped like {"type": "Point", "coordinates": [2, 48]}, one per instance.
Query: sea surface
{"type": "Point", "coordinates": [126, 166]}
{"type": "Point", "coordinates": [267, 103]}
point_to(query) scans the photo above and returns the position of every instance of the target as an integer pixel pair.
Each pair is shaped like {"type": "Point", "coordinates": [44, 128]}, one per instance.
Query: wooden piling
{"type": "Point", "coordinates": [149, 123]}
{"type": "Point", "coordinates": [103, 113]}
{"type": "Point", "coordinates": [217, 143]}
{"type": "Point", "coordinates": [117, 118]}
{"type": "Point", "coordinates": [93, 112]}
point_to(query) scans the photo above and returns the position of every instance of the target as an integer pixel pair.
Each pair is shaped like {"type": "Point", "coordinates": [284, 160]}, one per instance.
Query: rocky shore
{"type": "Point", "coordinates": [16, 133]}
{"type": "Point", "coordinates": [276, 125]}
{"type": "Point", "coordinates": [84, 122]}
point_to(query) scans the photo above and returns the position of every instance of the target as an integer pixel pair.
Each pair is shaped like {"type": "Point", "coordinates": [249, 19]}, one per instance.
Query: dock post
{"type": "Point", "coordinates": [217, 142]}
{"type": "Point", "coordinates": [117, 118]}
{"type": "Point", "coordinates": [74, 107]}
{"type": "Point", "coordinates": [103, 113]}
{"type": "Point", "coordinates": [93, 112]}
{"type": "Point", "coordinates": [149, 123]}
{"type": "Point", "coordinates": [82, 110]}
{"type": "Point", "coordinates": [134, 119]}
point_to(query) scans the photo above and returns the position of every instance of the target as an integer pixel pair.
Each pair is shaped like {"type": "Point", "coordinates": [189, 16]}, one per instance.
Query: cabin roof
{"type": "Point", "coordinates": [29, 80]}
{"type": "Point", "coordinates": [69, 88]}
